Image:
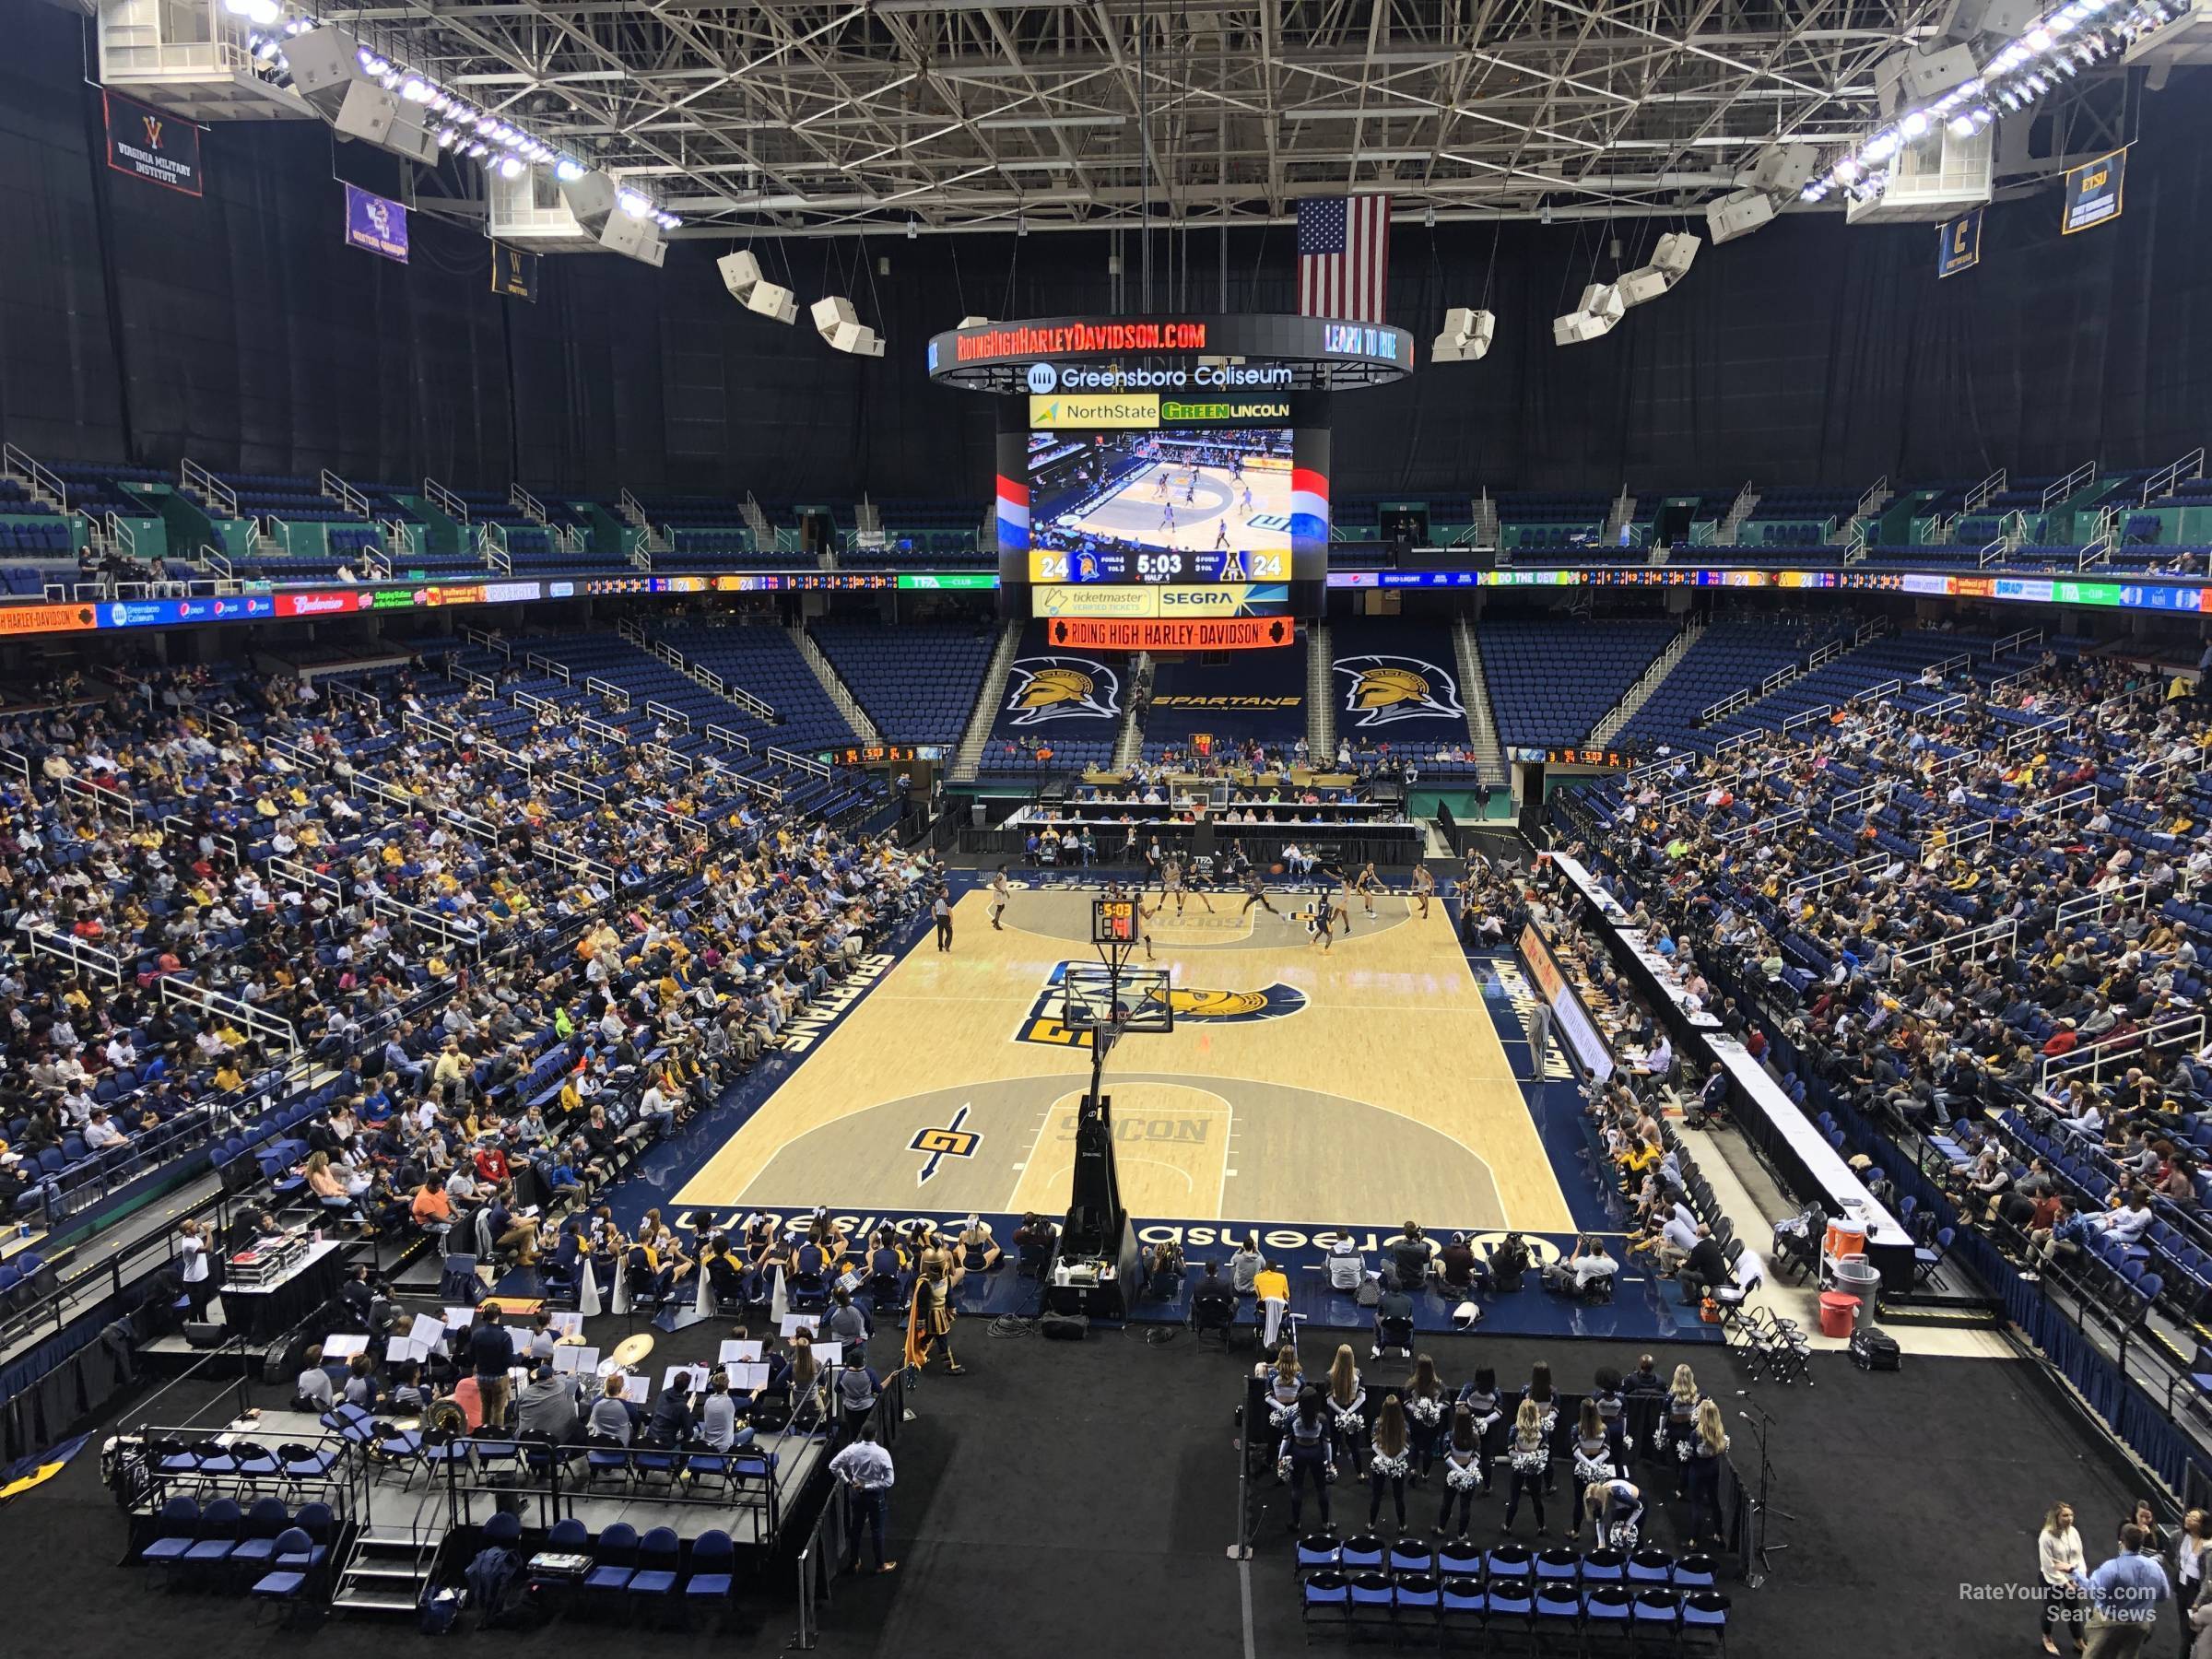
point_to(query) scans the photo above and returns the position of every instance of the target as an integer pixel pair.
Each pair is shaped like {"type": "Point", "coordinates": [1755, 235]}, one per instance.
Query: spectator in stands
{"type": "Point", "coordinates": [614, 1420]}
{"type": "Point", "coordinates": [312, 1390]}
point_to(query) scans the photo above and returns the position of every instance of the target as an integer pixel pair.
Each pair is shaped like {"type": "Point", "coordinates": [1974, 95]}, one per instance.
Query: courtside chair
{"type": "Point", "coordinates": [256, 1546]}
{"type": "Point", "coordinates": [1695, 1572]}
{"type": "Point", "coordinates": [1558, 1566]}
{"type": "Point", "coordinates": [1508, 1613]}
{"type": "Point", "coordinates": [1558, 1617]}
{"type": "Point", "coordinates": [1417, 1601]}
{"type": "Point", "coordinates": [655, 1578]}
{"type": "Point", "coordinates": [1459, 1560]}
{"type": "Point", "coordinates": [713, 1571]}
{"type": "Point", "coordinates": [1461, 1612]}
{"type": "Point", "coordinates": [1317, 1551]}
{"type": "Point", "coordinates": [1651, 1567]}
{"type": "Point", "coordinates": [615, 1560]}
{"type": "Point", "coordinates": [285, 1584]}
{"type": "Point", "coordinates": [1323, 1598]}
{"type": "Point", "coordinates": [1705, 1621]}
{"type": "Point", "coordinates": [1362, 1553]}
{"type": "Point", "coordinates": [220, 1525]}
{"type": "Point", "coordinates": [1604, 1567]}
{"type": "Point", "coordinates": [175, 1527]}
{"type": "Point", "coordinates": [1656, 1617]}
{"type": "Point", "coordinates": [1607, 1616]}
{"type": "Point", "coordinates": [1373, 1608]}
{"type": "Point", "coordinates": [1408, 1557]}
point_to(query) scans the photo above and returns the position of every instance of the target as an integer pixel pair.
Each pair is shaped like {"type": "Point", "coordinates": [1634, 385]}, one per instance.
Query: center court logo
{"type": "Point", "coordinates": [1063, 687]}
{"type": "Point", "coordinates": [1384, 690]}
{"type": "Point", "coordinates": [1045, 1021]}
{"type": "Point", "coordinates": [1043, 378]}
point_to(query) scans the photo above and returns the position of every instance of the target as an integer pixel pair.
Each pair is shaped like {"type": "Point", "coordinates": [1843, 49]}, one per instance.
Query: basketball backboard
{"type": "Point", "coordinates": [1092, 998]}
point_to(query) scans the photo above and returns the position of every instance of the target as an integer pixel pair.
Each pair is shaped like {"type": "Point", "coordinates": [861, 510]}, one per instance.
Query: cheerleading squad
{"type": "Point", "coordinates": [1403, 1433]}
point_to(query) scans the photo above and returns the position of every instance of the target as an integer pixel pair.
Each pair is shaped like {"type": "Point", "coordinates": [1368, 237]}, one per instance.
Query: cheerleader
{"type": "Point", "coordinates": [1388, 1462]}
{"type": "Point", "coordinates": [1678, 1421]}
{"type": "Point", "coordinates": [1540, 1394]}
{"type": "Point", "coordinates": [1308, 1451]}
{"type": "Point", "coordinates": [1613, 1406]}
{"type": "Point", "coordinates": [1529, 1456]}
{"type": "Point", "coordinates": [1702, 1471]}
{"type": "Point", "coordinates": [1424, 1399]}
{"type": "Point", "coordinates": [1488, 1407]}
{"type": "Point", "coordinates": [1593, 1452]}
{"type": "Point", "coordinates": [1285, 1381]}
{"type": "Point", "coordinates": [1616, 1513]}
{"type": "Point", "coordinates": [1465, 1474]}
{"type": "Point", "coordinates": [1348, 1400]}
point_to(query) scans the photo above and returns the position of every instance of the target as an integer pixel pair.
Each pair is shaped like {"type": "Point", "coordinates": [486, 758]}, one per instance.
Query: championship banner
{"type": "Point", "coordinates": [1958, 244]}
{"type": "Point", "coordinates": [2093, 192]}
{"type": "Point", "coordinates": [513, 273]}
{"type": "Point", "coordinates": [376, 224]}
{"type": "Point", "coordinates": [1239, 633]}
{"type": "Point", "coordinates": [151, 144]}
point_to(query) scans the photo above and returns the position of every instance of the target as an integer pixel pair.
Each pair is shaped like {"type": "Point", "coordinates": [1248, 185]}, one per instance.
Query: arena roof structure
{"type": "Point", "coordinates": [968, 115]}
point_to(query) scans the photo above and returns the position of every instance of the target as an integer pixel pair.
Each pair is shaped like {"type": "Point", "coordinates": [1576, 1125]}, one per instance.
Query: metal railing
{"type": "Point", "coordinates": [176, 988]}
{"type": "Point", "coordinates": [2081, 477]}
{"type": "Point", "coordinates": [192, 476]}
{"type": "Point", "coordinates": [804, 763]}
{"type": "Point", "coordinates": [673, 716]}
{"type": "Point", "coordinates": [102, 800]}
{"type": "Point", "coordinates": [2093, 1059]}
{"type": "Point", "coordinates": [2169, 477]}
{"type": "Point", "coordinates": [2097, 905]}
{"type": "Point", "coordinates": [22, 464]}
{"type": "Point", "coordinates": [1819, 881]}
{"type": "Point", "coordinates": [78, 953]}
{"type": "Point", "coordinates": [1979, 496]}
{"type": "Point", "coordinates": [1788, 818]}
{"type": "Point", "coordinates": [517, 497]}
{"type": "Point", "coordinates": [345, 494]}
{"type": "Point", "coordinates": [1999, 934]}
{"type": "Point", "coordinates": [445, 500]}
{"type": "Point", "coordinates": [617, 695]}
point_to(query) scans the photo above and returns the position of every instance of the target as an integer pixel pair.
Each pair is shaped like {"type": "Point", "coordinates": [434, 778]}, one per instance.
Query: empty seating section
{"type": "Point", "coordinates": [1069, 702]}
{"type": "Point", "coordinates": [723, 550]}
{"type": "Point", "coordinates": [763, 661]}
{"type": "Point", "coordinates": [100, 488]}
{"type": "Point", "coordinates": [1238, 703]}
{"type": "Point", "coordinates": [918, 682]}
{"type": "Point", "coordinates": [1551, 682]}
{"type": "Point", "coordinates": [279, 495]}
{"type": "Point", "coordinates": [29, 578]}
{"type": "Point", "coordinates": [1395, 685]}
{"type": "Point", "coordinates": [1728, 657]}
{"type": "Point", "coordinates": [1541, 520]}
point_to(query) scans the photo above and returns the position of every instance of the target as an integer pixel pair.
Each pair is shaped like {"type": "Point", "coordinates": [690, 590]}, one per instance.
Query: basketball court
{"type": "Point", "coordinates": [1359, 1087]}
{"type": "Point", "coordinates": [1134, 513]}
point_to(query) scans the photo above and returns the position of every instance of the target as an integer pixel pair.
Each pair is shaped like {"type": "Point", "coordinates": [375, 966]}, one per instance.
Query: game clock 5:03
{"type": "Point", "coordinates": [1158, 565]}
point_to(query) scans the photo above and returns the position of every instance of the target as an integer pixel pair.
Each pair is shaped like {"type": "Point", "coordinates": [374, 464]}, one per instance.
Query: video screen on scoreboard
{"type": "Point", "coordinates": [1204, 504]}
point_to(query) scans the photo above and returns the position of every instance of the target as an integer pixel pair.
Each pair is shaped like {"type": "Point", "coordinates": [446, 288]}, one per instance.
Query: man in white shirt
{"type": "Point", "coordinates": [101, 1135]}
{"type": "Point", "coordinates": [865, 1467]}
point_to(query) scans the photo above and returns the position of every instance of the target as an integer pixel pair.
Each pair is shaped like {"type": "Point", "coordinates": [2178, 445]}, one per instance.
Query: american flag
{"type": "Point", "coordinates": [1343, 257]}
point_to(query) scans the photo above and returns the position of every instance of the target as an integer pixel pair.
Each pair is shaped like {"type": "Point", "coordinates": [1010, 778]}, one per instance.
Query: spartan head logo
{"type": "Point", "coordinates": [1061, 687]}
{"type": "Point", "coordinates": [1385, 688]}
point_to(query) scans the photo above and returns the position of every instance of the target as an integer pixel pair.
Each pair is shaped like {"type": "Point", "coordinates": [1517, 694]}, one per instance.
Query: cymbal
{"type": "Point", "coordinates": [575, 1341]}
{"type": "Point", "coordinates": [633, 1349]}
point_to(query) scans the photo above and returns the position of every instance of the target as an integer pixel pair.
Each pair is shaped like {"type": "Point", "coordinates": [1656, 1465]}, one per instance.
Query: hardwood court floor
{"type": "Point", "coordinates": [1359, 1087]}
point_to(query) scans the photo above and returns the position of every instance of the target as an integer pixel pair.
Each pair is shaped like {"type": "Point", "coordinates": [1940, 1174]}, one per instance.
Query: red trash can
{"type": "Point", "coordinates": [1838, 1313]}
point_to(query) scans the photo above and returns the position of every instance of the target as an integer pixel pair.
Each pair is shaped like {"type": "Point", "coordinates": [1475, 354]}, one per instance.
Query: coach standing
{"type": "Point", "coordinates": [865, 1467]}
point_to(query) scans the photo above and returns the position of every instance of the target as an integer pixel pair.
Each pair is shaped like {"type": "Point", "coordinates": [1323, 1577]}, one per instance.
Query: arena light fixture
{"type": "Point", "coordinates": [2054, 47]}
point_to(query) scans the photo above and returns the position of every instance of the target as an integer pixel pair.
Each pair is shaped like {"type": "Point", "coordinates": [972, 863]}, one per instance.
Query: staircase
{"type": "Point", "coordinates": [1485, 531]}
{"type": "Point", "coordinates": [969, 758]}
{"type": "Point", "coordinates": [840, 693]}
{"type": "Point", "coordinates": [764, 533]}
{"type": "Point", "coordinates": [387, 1571]}
{"type": "Point", "coordinates": [1129, 746]}
{"type": "Point", "coordinates": [1321, 694]}
{"type": "Point", "coordinates": [1622, 514]}
{"type": "Point", "coordinates": [1474, 693]}
{"type": "Point", "coordinates": [1745, 504]}
{"type": "Point", "coordinates": [261, 543]}
{"type": "Point", "coordinates": [1637, 695]}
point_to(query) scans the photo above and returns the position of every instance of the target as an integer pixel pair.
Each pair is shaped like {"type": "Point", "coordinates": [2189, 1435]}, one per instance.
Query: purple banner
{"type": "Point", "coordinates": [376, 224]}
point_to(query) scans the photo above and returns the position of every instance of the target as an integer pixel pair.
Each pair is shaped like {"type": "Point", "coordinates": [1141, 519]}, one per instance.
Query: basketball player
{"type": "Point", "coordinates": [1255, 892]}
{"type": "Point", "coordinates": [1318, 923]}
{"type": "Point", "coordinates": [1424, 888]}
{"type": "Point", "coordinates": [1195, 881]}
{"type": "Point", "coordinates": [1167, 516]}
{"type": "Point", "coordinates": [1160, 485]}
{"type": "Point", "coordinates": [1244, 500]}
{"type": "Point", "coordinates": [1145, 913]}
{"type": "Point", "coordinates": [999, 895]}
{"type": "Point", "coordinates": [1190, 487]}
{"type": "Point", "coordinates": [1170, 883]}
{"type": "Point", "coordinates": [1366, 887]}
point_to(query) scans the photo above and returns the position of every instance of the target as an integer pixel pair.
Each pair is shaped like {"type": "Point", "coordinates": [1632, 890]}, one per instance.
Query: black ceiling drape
{"type": "Point", "coordinates": [238, 330]}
